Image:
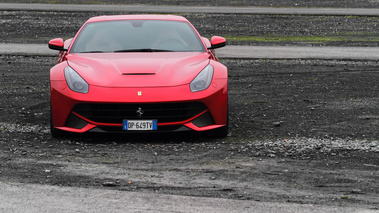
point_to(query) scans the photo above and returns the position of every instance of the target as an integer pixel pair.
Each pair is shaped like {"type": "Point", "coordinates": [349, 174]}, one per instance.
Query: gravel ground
{"type": "Point", "coordinates": [239, 29]}
{"type": "Point", "coordinates": [301, 131]}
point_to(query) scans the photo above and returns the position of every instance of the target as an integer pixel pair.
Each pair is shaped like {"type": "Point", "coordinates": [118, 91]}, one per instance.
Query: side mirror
{"type": "Point", "coordinates": [206, 42]}
{"type": "Point", "coordinates": [57, 44]}
{"type": "Point", "coordinates": [217, 42]}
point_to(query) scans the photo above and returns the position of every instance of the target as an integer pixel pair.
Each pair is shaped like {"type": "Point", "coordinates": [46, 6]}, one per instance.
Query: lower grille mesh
{"type": "Point", "coordinates": [163, 112]}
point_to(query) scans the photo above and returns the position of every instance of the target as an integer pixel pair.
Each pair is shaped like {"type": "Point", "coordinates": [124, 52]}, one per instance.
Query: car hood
{"type": "Point", "coordinates": [138, 69]}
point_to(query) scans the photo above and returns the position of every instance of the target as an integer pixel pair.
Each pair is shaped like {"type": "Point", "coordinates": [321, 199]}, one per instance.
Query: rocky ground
{"type": "Point", "coordinates": [301, 131]}
{"type": "Point", "coordinates": [239, 29]}
{"type": "Point", "coordinates": [259, 3]}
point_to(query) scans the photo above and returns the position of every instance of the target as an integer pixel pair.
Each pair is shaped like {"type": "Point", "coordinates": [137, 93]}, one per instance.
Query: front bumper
{"type": "Point", "coordinates": [212, 114]}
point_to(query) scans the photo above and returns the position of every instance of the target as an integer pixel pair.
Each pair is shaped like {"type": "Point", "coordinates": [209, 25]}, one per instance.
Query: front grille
{"type": "Point", "coordinates": [163, 112]}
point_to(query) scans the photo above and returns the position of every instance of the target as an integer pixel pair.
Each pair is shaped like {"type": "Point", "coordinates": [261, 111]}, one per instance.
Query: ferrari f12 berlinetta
{"type": "Point", "coordinates": [138, 73]}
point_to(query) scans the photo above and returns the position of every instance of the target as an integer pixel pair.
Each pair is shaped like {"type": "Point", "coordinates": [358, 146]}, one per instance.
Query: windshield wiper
{"type": "Point", "coordinates": [144, 50]}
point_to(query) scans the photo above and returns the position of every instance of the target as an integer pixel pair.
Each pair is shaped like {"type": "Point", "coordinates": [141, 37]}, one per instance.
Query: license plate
{"type": "Point", "coordinates": [139, 125]}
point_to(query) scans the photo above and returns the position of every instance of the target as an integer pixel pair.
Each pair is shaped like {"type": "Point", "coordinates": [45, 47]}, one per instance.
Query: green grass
{"type": "Point", "coordinates": [308, 39]}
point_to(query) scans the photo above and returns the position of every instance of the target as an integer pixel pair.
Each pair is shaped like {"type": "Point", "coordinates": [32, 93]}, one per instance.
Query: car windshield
{"type": "Point", "coordinates": [137, 36]}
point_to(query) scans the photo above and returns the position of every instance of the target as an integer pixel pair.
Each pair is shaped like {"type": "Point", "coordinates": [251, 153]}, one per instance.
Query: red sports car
{"type": "Point", "coordinates": [138, 73]}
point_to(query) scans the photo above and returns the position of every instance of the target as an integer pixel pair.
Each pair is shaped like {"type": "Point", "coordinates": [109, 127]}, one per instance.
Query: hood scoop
{"type": "Point", "coordinates": [130, 67]}
{"type": "Point", "coordinates": [138, 73]}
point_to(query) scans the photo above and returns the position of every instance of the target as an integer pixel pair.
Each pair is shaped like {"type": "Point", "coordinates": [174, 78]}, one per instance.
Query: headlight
{"type": "Point", "coordinates": [202, 80]}
{"type": "Point", "coordinates": [74, 81]}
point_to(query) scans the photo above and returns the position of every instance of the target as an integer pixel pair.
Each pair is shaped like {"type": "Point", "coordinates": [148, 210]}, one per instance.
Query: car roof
{"type": "Point", "coordinates": [136, 17]}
